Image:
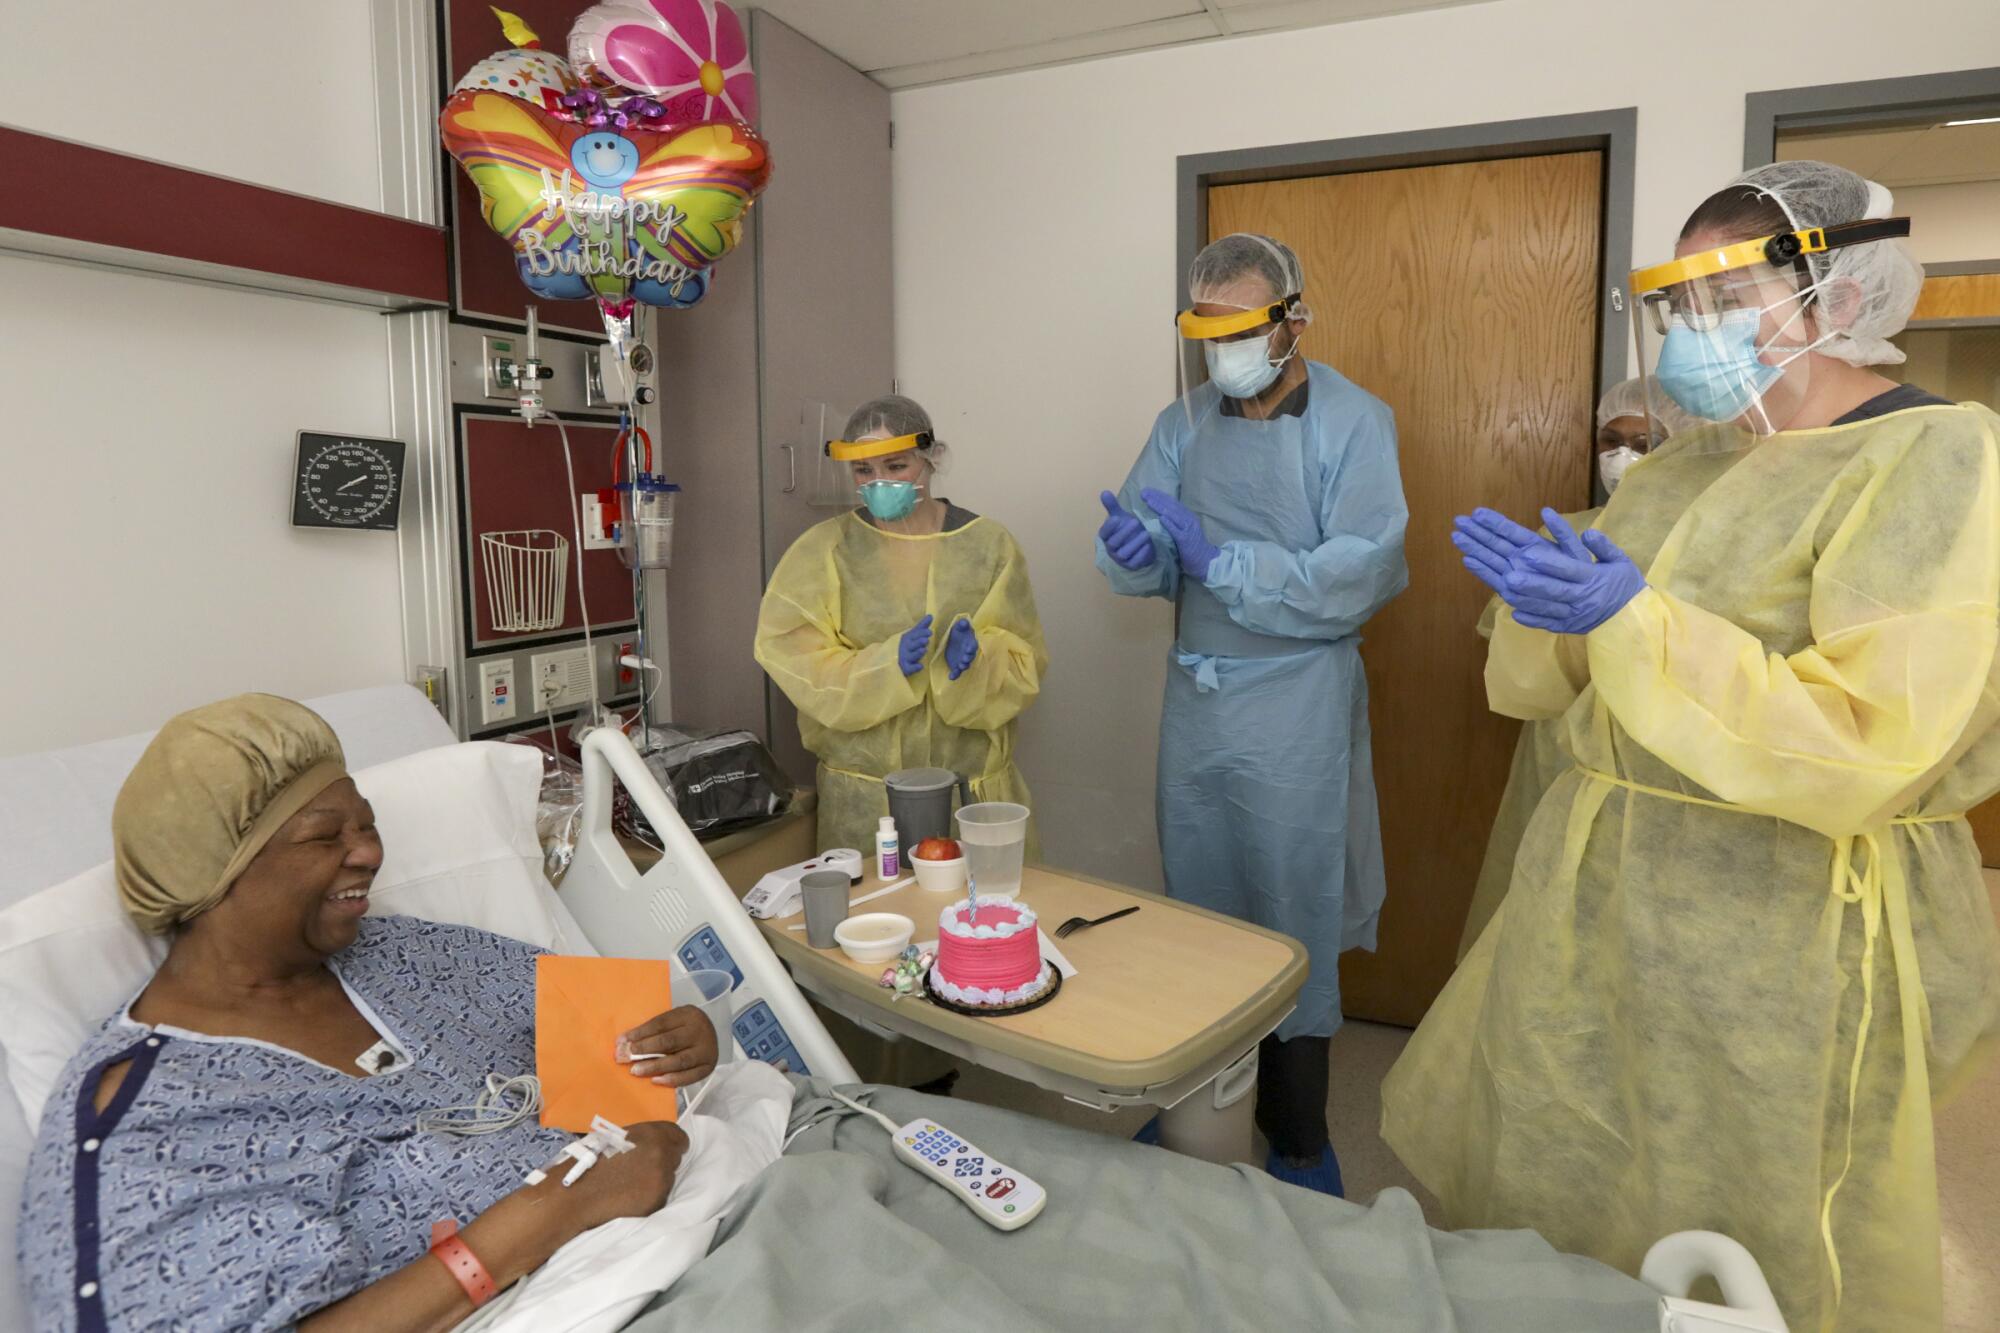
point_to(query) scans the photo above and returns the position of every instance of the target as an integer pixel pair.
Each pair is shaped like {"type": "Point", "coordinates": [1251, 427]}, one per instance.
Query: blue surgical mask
{"type": "Point", "coordinates": [1244, 369]}
{"type": "Point", "coordinates": [1714, 373]}
{"type": "Point", "coordinates": [889, 500]}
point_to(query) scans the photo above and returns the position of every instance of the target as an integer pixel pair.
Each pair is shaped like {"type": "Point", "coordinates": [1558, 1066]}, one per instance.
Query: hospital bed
{"type": "Point", "coordinates": [1134, 1236]}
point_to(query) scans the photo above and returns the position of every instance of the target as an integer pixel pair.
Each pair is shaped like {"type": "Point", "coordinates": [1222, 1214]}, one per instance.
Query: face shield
{"type": "Point", "coordinates": [889, 474]}
{"type": "Point", "coordinates": [1726, 331]}
{"type": "Point", "coordinates": [1242, 350]}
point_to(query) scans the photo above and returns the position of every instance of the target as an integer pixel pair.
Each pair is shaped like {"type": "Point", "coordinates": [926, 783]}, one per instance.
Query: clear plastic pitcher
{"type": "Point", "coordinates": [995, 837]}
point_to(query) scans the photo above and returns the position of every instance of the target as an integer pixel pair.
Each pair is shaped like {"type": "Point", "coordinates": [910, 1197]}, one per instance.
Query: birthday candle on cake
{"type": "Point", "coordinates": [971, 900]}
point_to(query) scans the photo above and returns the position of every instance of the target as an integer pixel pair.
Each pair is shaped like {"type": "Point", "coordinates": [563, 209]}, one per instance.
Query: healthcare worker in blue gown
{"type": "Point", "coordinates": [1268, 507]}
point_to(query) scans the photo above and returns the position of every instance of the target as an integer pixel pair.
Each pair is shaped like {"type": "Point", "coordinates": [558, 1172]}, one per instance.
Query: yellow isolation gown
{"type": "Point", "coordinates": [828, 632]}
{"type": "Point", "coordinates": [1747, 945]}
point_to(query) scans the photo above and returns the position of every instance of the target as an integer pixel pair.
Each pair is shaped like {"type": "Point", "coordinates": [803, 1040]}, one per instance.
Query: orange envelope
{"type": "Point", "coordinates": [582, 1007]}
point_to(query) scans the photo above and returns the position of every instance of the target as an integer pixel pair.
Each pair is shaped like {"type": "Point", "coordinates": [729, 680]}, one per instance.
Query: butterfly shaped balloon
{"type": "Point", "coordinates": [690, 55]}
{"type": "Point", "coordinates": [619, 215]}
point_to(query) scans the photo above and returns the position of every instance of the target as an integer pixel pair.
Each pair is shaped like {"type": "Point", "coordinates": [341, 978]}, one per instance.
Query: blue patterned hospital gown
{"type": "Point", "coordinates": [234, 1185]}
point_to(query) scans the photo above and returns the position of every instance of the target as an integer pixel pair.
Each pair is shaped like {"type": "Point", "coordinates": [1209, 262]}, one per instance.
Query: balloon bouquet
{"type": "Point", "coordinates": [622, 174]}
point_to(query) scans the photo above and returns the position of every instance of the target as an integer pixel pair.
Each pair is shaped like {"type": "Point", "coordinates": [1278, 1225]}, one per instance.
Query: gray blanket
{"type": "Point", "coordinates": [842, 1235]}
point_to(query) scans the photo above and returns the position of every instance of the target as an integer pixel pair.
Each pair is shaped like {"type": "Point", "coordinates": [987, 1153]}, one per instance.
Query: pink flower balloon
{"type": "Point", "coordinates": [689, 54]}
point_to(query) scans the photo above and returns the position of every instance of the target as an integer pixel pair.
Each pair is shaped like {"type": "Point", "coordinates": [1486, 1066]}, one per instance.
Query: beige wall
{"type": "Point", "coordinates": [148, 438]}
{"type": "Point", "coordinates": [1949, 223]}
{"type": "Point", "coordinates": [1034, 252]}
{"type": "Point", "coordinates": [279, 94]}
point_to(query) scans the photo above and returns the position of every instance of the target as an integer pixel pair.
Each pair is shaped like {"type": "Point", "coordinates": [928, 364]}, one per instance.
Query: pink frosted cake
{"type": "Point", "coordinates": [993, 963]}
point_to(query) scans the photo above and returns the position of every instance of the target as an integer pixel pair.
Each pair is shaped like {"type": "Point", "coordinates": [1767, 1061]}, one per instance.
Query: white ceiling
{"type": "Point", "coordinates": [1910, 155]}
{"type": "Point", "coordinates": [903, 43]}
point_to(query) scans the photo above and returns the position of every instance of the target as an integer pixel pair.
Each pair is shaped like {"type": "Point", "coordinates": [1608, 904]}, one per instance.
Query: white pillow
{"type": "Point", "coordinates": [459, 845]}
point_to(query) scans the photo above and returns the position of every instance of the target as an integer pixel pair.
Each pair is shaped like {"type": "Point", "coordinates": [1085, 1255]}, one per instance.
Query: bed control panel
{"type": "Point", "coordinates": [764, 1038]}
{"type": "Point", "coordinates": [704, 949]}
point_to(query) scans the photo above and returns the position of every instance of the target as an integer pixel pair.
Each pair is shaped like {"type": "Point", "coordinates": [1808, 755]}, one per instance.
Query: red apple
{"type": "Point", "coordinates": [938, 849]}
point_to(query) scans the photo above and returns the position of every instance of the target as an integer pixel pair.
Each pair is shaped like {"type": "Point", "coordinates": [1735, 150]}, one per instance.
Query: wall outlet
{"type": "Point", "coordinates": [559, 679]}
{"type": "Point", "coordinates": [496, 691]}
{"type": "Point", "coordinates": [626, 675]}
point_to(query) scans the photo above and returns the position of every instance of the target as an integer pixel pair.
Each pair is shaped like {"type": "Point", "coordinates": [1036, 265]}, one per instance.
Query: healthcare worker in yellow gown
{"type": "Point", "coordinates": [1747, 947]}
{"type": "Point", "coordinates": [904, 630]}
{"type": "Point", "coordinates": [1626, 432]}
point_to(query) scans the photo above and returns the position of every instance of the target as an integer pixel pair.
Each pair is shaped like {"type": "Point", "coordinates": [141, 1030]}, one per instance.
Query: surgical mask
{"type": "Point", "coordinates": [1244, 369]}
{"type": "Point", "coordinates": [1611, 465]}
{"type": "Point", "coordinates": [889, 500]}
{"type": "Point", "coordinates": [1716, 373]}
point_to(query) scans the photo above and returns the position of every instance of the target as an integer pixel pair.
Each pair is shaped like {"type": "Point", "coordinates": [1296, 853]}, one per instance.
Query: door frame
{"type": "Point", "coordinates": [1871, 101]}
{"type": "Point", "coordinates": [1613, 133]}
{"type": "Point", "coordinates": [1824, 105]}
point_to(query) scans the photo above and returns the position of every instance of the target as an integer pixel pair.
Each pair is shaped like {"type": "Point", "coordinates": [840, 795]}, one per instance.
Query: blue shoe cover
{"type": "Point", "coordinates": [1323, 1176]}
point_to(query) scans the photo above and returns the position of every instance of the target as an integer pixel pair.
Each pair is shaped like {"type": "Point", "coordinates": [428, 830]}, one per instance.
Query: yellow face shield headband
{"type": "Point", "coordinates": [1195, 327]}
{"type": "Point", "coordinates": [851, 451]}
{"type": "Point", "coordinates": [1776, 251]}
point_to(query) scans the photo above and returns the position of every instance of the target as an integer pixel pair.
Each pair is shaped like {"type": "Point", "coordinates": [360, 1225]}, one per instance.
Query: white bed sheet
{"type": "Point", "coordinates": [55, 806]}
{"type": "Point", "coordinates": [598, 1281]}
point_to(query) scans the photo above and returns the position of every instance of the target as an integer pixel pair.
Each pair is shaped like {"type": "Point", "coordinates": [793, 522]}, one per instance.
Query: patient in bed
{"type": "Point", "coordinates": [239, 1147]}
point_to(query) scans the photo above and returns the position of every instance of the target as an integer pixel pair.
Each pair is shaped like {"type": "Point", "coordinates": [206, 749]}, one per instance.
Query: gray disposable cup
{"type": "Point", "coordinates": [825, 893]}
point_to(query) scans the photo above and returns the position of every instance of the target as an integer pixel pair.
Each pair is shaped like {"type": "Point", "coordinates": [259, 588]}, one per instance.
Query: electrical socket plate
{"type": "Point", "coordinates": [431, 680]}
{"type": "Point", "coordinates": [568, 669]}
{"type": "Point", "coordinates": [496, 691]}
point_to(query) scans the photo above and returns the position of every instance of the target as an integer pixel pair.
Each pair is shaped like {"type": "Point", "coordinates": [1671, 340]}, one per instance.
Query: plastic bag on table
{"type": "Point", "coordinates": [716, 779]}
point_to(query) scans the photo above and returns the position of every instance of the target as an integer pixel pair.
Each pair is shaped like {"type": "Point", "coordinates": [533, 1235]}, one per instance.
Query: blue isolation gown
{"type": "Point", "coordinates": [1266, 799]}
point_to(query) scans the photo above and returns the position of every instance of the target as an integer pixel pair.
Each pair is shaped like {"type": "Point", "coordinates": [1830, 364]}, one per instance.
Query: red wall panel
{"type": "Point", "coordinates": [217, 220]}
{"type": "Point", "coordinates": [489, 287]}
{"type": "Point", "coordinates": [514, 479]}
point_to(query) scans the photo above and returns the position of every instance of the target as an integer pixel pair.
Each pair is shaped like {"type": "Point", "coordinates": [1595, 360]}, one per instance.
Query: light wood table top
{"type": "Point", "coordinates": [1155, 994]}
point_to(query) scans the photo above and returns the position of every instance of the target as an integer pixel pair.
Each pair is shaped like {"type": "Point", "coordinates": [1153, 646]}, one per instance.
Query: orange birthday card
{"type": "Point", "coordinates": [582, 1007]}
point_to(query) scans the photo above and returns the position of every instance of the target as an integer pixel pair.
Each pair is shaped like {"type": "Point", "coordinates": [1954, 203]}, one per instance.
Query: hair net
{"type": "Point", "coordinates": [206, 796]}
{"type": "Point", "coordinates": [889, 416]}
{"type": "Point", "coordinates": [1628, 398]}
{"type": "Point", "coordinates": [1224, 263]}
{"type": "Point", "coordinates": [1886, 276]}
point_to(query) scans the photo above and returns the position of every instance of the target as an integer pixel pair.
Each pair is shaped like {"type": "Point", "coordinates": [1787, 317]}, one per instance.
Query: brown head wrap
{"type": "Point", "coordinates": [206, 796]}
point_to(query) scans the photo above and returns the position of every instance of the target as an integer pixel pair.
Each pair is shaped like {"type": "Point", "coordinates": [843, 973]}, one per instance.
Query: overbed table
{"type": "Point", "coordinates": [1166, 1008]}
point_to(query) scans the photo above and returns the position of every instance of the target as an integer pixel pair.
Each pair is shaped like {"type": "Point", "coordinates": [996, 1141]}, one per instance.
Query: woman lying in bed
{"type": "Point", "coordinates": [238, 1148]}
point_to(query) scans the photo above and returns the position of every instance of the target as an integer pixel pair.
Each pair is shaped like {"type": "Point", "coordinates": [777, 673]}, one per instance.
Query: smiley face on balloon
{"type": "Point", "coordinates": [606, 160]}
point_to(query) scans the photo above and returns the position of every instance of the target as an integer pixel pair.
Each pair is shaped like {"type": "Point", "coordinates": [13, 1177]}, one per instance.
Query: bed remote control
{"type": "Point", "coordinates": [1002, 1196]}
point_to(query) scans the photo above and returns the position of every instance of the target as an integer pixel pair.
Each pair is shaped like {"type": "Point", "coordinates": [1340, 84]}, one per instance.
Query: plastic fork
{"type": "Point", "coordinates": [1076, 923]}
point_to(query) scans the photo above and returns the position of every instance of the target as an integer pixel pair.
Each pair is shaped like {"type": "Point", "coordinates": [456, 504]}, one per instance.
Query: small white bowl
{"type": "Point", "coordinates": [939, 876]}
{"type": "Point", "coordinates": [874, 937]}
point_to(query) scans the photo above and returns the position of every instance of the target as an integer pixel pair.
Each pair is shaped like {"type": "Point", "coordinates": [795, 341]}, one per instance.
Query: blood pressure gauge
{"type": "Point", "coordinates": [347, 481]}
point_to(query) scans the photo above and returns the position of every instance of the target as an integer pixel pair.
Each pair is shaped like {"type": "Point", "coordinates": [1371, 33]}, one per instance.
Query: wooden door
{"type": "Point", "coordinates": [1464, 296]}
{"type": "Point", "coordinates": [824, 281]}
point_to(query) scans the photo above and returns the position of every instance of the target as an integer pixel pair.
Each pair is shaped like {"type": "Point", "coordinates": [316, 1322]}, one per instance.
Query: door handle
{"type": "Point", "coordinates": [791, 468]}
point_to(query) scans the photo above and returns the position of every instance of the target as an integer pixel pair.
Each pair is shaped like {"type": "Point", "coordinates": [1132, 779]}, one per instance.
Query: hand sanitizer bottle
{"type": "Point", "coordinates": [888, 857]}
